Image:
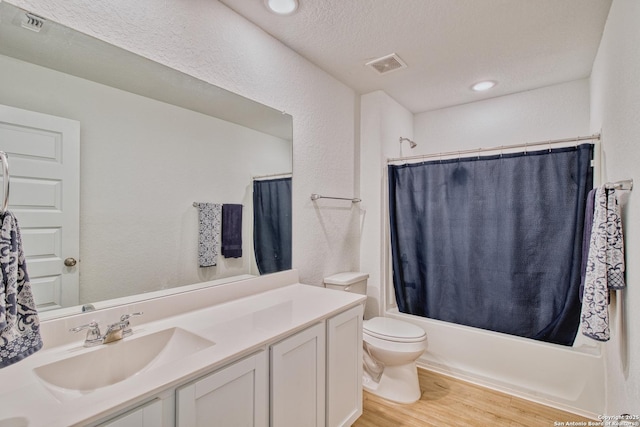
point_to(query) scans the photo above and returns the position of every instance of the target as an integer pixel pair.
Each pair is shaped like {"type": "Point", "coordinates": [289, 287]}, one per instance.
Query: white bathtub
{"type": "Point", "coordinates": [568, 378]}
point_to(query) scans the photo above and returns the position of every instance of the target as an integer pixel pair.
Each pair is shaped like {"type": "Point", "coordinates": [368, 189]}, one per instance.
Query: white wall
{"type": "Point", "coordinates": [143, 163]}
{"type": "Point", "coordinates": [383, 122]}
{"type": "Point", "coordinates": [615, 108]}
{"type": "Point", "coordinates": [207, 40]}
{"type": "Point", "coordinates": [558, 111]}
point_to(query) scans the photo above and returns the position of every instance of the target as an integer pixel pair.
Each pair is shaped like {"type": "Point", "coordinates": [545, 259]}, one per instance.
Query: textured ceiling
{"type": "Point", "coordinates": [447, 44]}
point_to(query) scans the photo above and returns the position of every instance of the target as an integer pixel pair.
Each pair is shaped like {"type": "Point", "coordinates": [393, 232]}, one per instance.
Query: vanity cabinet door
{"type": "Point", "coordinates": [236, 395]}
{"type": "Point", "coordinates": [344, 367]}
{"type": "Point", "coordinates": [298, 379]}
{"type": "Point", "coordinates": [148, 415]}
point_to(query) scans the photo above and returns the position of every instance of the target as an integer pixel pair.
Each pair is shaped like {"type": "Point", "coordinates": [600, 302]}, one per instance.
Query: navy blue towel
{"type": "Point", "coordinates": [231, 231]}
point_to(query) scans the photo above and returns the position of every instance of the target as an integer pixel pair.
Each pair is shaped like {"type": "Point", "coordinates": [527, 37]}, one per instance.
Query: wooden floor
{"type": "Point", "coordinates": [450, 402]}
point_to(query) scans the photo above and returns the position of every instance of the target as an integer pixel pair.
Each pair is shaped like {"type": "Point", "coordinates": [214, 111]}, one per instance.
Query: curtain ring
{"type": "Point", "coordinates": [501, 150]}
{"type": "Point", "coordinates": [549, 145]}
{"type": "Point", "coordinates": [525, 148]}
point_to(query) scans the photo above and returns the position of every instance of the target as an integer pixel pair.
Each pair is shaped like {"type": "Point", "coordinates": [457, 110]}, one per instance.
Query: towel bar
{"type": "Point", "coordinates": [315, 197]}
{"type": "Point", "coordinates": [626, 184]}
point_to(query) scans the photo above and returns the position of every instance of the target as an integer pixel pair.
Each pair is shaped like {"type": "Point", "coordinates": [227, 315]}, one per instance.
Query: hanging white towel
{"type": "Point", "coordinates": [19, 323]}
{"type": "Point", "coordinates": [605, 265]}
{"type": "Point", "coordinates": [209, 216]}
{"type": "Point", "coordinates": [615, 244]}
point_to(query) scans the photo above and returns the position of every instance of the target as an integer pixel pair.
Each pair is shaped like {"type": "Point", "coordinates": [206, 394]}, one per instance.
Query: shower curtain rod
{"type": "Point", "coordinates": [526, 145]}
{"type": "Point", "coordinates": [284, 175]}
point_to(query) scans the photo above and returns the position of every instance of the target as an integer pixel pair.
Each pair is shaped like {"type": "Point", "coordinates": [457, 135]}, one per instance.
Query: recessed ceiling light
{"type": "Point", "coordinates": [282, 7]}
{"type": "Point", "coordinates": [486, 85]}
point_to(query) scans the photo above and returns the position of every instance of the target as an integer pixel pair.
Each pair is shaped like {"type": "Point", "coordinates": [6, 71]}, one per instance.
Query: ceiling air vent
{"type": "Point", "coordinates": [32, 22]}
{"type": "Point", "coordinates": [386, 64]}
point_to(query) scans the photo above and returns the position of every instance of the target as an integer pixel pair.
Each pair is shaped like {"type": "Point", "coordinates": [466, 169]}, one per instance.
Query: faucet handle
{"type": "Point", "coordinates": [124, 320]}
{"type": "Point", "coordinates": [93, 333]}
{"type": "Point", "coordinates": [126, 317]}
{"type": "Point", "coordinates": [92, 326]}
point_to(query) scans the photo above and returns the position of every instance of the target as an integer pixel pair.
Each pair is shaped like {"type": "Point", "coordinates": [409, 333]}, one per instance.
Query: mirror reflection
{"type": "Point", "coordinates": [110, 156]}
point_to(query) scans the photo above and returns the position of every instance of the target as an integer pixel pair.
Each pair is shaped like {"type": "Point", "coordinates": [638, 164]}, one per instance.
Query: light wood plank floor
{"type": "Point", "coordinates": [451, 402]}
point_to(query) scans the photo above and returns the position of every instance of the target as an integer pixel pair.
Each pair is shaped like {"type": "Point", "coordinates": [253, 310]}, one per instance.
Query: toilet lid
{"type": "Point", "coordinates": [393, 330]}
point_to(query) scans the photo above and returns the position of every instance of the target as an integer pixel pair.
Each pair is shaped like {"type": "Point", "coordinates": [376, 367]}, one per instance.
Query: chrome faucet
{"type": "Point", "coordinates": [93, 333]}
{"type": "Point", "coordinates": [115, 332]}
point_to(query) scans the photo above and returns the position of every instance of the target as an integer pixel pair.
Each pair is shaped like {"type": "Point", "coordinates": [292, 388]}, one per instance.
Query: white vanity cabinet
{"type": "Point", "coordinates": [298, 379]}
{"type": "Point", "coordinates": [312, 378]}
{"type": "Point", "coordinates": [344, 367]}
{"type": "Point", "coordinates": [236, 395]}
{"type": "Point", "coordinates": [291, 356]}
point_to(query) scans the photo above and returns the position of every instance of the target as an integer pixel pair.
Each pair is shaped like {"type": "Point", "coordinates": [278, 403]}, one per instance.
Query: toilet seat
{"type": "Point", "coordinates": [388, 329]}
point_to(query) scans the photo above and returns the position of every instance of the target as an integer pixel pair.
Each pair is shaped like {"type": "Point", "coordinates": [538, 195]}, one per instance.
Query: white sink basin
{"type": "Point", "coordinates": [117, 361]}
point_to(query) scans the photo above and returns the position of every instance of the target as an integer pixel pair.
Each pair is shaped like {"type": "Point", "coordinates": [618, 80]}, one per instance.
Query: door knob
{"type": "Point", "coordinates": [70, 262]}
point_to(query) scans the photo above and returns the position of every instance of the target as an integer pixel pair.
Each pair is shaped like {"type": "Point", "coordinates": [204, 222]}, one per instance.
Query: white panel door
{"type": "Point", "coordinates": [344, 367]}
{"type": "Point", "coordinates": [44, 164]}
{"type": "Point", "coordinates": [236, 396]}
{"type": "Point", "coordinates": [298, 379]}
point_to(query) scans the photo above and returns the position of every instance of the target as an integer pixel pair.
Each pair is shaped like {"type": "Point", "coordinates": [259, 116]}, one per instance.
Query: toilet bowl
{"type": "Point", "coordinates": [395, 345]}
{"type": "Point", "coordinates": [391, 347]}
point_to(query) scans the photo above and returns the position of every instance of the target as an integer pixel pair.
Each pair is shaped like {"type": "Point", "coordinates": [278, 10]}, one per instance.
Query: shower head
{"type": "Point", "coordinates": [411, 143]}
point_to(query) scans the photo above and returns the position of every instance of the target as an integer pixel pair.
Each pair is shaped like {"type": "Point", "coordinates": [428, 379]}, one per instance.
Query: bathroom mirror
{"type": "Point", "coordinates": [153, 141]}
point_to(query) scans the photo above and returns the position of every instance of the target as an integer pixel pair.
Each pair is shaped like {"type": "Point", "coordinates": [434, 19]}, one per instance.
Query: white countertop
{"type": "Point", "coordinates": [238, 328]}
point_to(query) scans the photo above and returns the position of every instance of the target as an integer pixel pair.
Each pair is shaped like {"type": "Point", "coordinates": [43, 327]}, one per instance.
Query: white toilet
{"type": "Point", "coordinates": [391, 347]}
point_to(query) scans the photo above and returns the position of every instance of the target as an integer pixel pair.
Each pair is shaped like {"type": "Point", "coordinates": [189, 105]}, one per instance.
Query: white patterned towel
{"type": "Point", "coordinates": [19, 323]}
{"type": "Point", "coordinates": [209, 216]}
{"type": "Point", "coordinates": [605, 265]}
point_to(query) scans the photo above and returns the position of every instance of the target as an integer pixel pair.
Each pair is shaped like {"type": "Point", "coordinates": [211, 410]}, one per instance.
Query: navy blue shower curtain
{"type": "Point", "coordinates": [272, 224]}
{"type": "Point", "coordinates": [492, 242]}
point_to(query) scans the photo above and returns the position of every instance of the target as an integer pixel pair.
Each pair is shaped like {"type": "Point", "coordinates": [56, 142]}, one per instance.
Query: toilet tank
{"type": "Point", "coordinates": [349, 281]}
